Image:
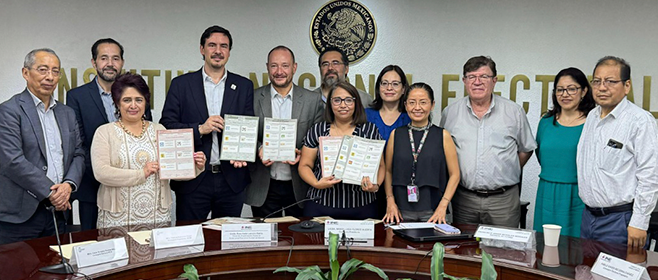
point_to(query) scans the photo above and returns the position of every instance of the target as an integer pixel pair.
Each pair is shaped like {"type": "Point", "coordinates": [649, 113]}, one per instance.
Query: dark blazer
{"type": "Point", "coordinates": [86, 102]}
{"type": "Point", "coordinates": [308, 109]}
{"type": "Point", "coordinates": [185, 107]}
{"type": "Point", "coordinates": [23, 162]}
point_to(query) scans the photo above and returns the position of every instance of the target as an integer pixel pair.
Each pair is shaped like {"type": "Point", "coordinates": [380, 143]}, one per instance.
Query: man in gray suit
{"type": "Point", "coordinates": [333, 69]}
{"type": "Point", "coordinates": [275, 185]}
{"type": "Point", "coordinates": [41, 155]}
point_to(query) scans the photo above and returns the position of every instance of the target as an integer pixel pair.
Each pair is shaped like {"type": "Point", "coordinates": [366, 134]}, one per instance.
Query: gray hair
{"type": "Point", "coordinates": [30, 57]}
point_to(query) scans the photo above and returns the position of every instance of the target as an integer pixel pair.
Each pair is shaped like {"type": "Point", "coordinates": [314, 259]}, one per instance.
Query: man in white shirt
{"type": "Point", "coordinates": [617, 160]}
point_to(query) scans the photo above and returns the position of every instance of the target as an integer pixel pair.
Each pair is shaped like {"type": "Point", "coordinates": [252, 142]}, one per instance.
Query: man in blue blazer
{"type": "Point", "coordinates": [199, 100]}
{"type": "Point", "coordinates": [94, 106]}
{"type": "Point", "coordinates": [41, 155]}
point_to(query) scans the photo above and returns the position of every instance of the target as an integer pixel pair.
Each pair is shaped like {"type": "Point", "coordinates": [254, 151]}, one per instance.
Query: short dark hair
{"type": "Point", "coordinates": [586, 105]}
{"type": "Point", "coordinates": [624, 67]}
{"type": "Point", "coordinates": [378, 102]}
{"type": "Point", "coordinates": [216, 29]}
{"type": "Point", "coordinates": [130, 80]}
{"type": "Point", "coordinates": [359, 116]}
{"type": "Point", "coordinates": [94, 47]}
{"type": "Point", "coordinates": [281, 47]}
{"type": "Point", "coordinates": [474, 63]}
{"type": "Point", "coordinates": [343, 56]}
{"type": "Point", "coordinates": [427, 88]}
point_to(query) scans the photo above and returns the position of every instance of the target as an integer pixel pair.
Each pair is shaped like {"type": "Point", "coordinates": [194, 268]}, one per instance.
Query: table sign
{"type": "Point", "coordinates": [360, 230]}
{"type": "Point", "coordinates": [496, 233]}
{"type": "Point", "coordinates": [329, 148]}
{"type": "Point", "coordinates": [178, 251]}
{"type": "Point", "coordinates": [67, 249]}
{"type": "Point", "coordinates": [239, 138]}
{"type": "Point", "coordinates": [89, 270]}
{"type": "Point", "coordinates": [176, 153]}
{"type": "Point", "coordinates": [177, 236]}
{"type": "Point", "coordinates": [100, 252]}
{"type": "Point", "coordinates": [279, 139]}
{"type": "Point", "coordinates": [249, 232]}
{"type": "Point", "coordinates": [615, 268]}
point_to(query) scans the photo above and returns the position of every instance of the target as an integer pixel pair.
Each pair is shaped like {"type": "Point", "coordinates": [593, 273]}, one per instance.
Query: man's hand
{"type": "Point", "coordinates": [636, 237]}
{"type": "Point", "coordinates": [213, 123]}
{"type": "Point", "coordinates": [60, 196]}
{"type": "Point", "coordinates": [266, 162]}
{"type": "Point", "coordinates": [239, 163]}
{"type": "Point", "coordinates": [298, 155]}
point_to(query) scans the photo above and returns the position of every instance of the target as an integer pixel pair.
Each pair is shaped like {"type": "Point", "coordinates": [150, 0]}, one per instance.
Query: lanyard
{"type": "Point", "coordinates": [415, 152]}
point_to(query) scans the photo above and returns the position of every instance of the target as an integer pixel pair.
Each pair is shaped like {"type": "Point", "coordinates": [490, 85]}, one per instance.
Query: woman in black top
{"type": "Point", "coordinates": [420, 190]}
{"type": "Point", "coordinates": [344, 115]}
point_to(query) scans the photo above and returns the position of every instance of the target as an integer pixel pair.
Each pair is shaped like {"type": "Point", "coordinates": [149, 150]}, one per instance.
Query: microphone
{"type": "Point", "coordinates": [60, 268]}
{"type": "Point", "coordinates": [291, 205]}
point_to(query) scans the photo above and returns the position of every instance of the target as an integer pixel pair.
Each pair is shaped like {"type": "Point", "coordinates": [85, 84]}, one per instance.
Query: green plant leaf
{"type": "Point", "coordinates": [333, 256]}
{"type": "Point", "coordinates": [311, 273]}
{"type": "Point", "coordinates": [375, 270]}
{"type": "Point", "coordinates": [189, 275]}
{"type": "Point", "coordinates": [287, 269]}
{"type": "Point", "coordinates": [190, 268]}
{"type": "Point", "coordinates": [349, 267]}
{"type": "Point", "coordinates": [488, 269]}
{"type": "Point", "coordinates": [437, 261]}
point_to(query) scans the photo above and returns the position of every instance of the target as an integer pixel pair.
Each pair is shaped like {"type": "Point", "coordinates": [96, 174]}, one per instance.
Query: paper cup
{"type": "Point", "coordinates": [551, 257]}
{"type": "Point", "coordinates": [551, 234]}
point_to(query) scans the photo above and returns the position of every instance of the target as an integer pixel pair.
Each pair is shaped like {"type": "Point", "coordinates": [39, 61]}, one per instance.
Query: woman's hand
{"type": "Point", "coordinates": [151, 168]}
{"type": "Point", "coordinates": [199, 160]}
{"type": "Point", "coordinates": [326, 182]}
{"type": "Point", "coordinates": [367, 185]}
{"type": "Point", "coordinates": [392, 212]}
{"type": "Point", "coordinates": [439, 215]}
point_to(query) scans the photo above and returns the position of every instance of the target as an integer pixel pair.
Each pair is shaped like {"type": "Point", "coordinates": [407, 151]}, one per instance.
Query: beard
{"type": "Point", "coordinates": [107, 77]}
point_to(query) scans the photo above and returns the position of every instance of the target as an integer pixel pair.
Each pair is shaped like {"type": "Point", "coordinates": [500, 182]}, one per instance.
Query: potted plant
{"type": "Point", "coordinates": [337, 272]}
{"type": "Point", "coordinates": [438, 251]}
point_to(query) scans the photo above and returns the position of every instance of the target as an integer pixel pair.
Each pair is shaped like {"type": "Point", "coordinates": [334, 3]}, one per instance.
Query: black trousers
{"type": "Point", "coordinates": [41, 224]}
{"type": "Point", "coordinates": [213, 194]}
{"type": "Point", "coordinates": [280, 195]}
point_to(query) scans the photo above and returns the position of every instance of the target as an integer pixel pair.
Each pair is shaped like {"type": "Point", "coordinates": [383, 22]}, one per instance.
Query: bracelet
{"type": "Point", "coordinates": [389, 196]}
{"type": "Point", "coordinates": [445, 199]}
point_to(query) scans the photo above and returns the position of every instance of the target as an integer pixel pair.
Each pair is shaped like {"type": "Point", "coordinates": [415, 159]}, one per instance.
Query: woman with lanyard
{"type": "Point", "coordinates": [422, 170]}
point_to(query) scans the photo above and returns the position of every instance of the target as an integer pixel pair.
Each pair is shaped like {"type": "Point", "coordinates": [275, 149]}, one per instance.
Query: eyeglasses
{"type": "Point", "coordinates": [394, 84]}
{"type": "Point", "coordinates": [569, 90]}
{"type": "Point", "coordinates": [349, 101]}
{"type": "Point", "coordinates": [483, 78]}
{"type": "Point", "coordinates": [412, 103]}
{"type": "Point", "coordinates": [334, 64]}
{"type": "Point", "coordinates": [43, 70]}
{"type": "Point", "coordinates": [606, 83]}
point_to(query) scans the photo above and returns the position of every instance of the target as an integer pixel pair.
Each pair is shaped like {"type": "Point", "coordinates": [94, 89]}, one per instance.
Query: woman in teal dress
{"type": "Point", "coordinates": [557, 139]}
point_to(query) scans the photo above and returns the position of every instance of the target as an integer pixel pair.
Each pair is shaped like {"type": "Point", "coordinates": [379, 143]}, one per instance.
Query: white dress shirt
{"type": "Point", "coordinates": [610, 176]}
{"type": "Point", "coordinates": [281, 109]}
{"type": "Point", "coordinates": [214, 100]}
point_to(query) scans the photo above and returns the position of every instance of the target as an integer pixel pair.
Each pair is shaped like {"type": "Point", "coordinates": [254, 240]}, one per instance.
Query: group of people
{"type": "Point", "coordinates": [599, 176]}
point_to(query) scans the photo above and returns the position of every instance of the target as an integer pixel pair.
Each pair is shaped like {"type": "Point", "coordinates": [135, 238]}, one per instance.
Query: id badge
{"type": "Point", "coordinates": [412, 193]}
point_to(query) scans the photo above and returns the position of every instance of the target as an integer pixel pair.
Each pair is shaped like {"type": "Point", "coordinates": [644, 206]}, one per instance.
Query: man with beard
{"type": "Point", "coordinates": [199, 100]}
{"type": "Point", "coordinates": [333, 69]}
{"type": "Point", "coordinates": [93, 106]}
{"type": "Point", "coordinates": [275, 185]}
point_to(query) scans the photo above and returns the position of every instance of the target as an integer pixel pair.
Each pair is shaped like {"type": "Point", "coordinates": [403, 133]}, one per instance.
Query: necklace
{"type": "Point", "coordinates": [132, 134]}
{"type": "Point", "coordinates": [420, 128]}
{"type": "Point", "coordinates": [564, 122]}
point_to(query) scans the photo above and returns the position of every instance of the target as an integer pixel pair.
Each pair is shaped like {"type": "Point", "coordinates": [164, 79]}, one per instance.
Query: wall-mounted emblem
{"type": "Point", "coordinates": [344, 24]}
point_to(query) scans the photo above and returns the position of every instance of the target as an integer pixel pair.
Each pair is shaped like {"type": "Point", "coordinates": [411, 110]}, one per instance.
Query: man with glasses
{"type": "Point", "coordinates": [41, 155]}
{"type": "Point", "coordinates": [333, 69]}
{"type": "Point", "coordinates": [275, 185]}
{"type": "Point", "coordinates": [93, 106]}
{"type": "Point", "coordinates": [617, 161]}
{"type": "Point", "coordinates": [494, 141]}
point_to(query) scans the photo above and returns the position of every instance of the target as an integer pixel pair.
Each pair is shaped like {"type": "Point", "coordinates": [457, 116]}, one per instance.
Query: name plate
{"type": "Point", "coordinates": [248, 232]}
{"type": "Point", "coordinates": [177, 236]}
{"type": "Point", "coordinates": [361, 230]}
{"type": "Point", "coordinates": [503, 234]}
{"type": "Point", "coordinates": [616, 268]}
{"type": "Point", "coordinates": [100, 252]}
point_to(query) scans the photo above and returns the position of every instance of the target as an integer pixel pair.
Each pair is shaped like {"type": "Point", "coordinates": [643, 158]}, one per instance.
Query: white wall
{"type": "Point", "coordinates": [428, 39]}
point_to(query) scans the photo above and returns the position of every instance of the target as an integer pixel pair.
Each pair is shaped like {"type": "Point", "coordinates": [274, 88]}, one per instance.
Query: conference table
{"type": "Point", "coordinates": [399, 258]}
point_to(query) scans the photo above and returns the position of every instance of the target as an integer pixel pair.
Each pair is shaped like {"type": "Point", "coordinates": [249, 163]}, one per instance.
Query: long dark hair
{"type": "Point", "coordinates": [586, 105]}
{"type": "Point", "coordinates": [378, 102]}
{"type": "Point", "coordinates": [359, 116]}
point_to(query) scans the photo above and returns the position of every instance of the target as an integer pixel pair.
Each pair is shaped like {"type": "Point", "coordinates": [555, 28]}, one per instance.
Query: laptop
{"type": "Point", "coordinates": [429, 234]}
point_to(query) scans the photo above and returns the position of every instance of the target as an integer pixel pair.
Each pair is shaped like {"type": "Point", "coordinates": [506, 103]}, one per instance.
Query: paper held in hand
{"type": "Point", "coordinates": [279, 139]}
{"type": "Point", "coordinates": [176, 153]}
{"type": "Point", "coordinates": [329, 148]}
{"type": "Point", "coordinates": [239, 138]}
{"type": "Point", "coordinates": [358, 157]}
